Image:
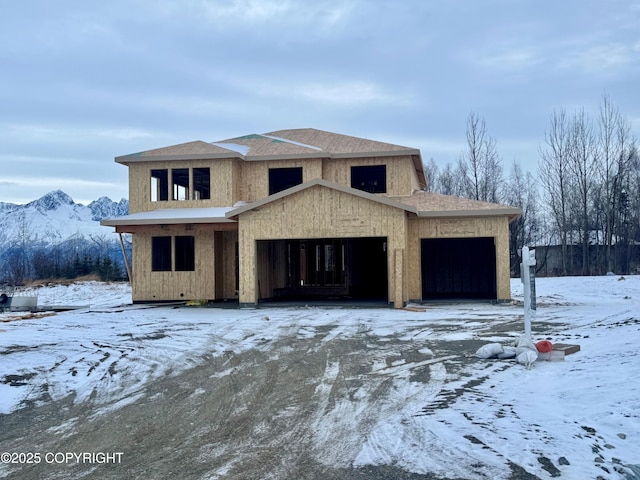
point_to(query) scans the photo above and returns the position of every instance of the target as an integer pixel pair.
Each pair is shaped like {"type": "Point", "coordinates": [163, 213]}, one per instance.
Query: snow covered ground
{"type": "Point", "coordinates": [579, 418]}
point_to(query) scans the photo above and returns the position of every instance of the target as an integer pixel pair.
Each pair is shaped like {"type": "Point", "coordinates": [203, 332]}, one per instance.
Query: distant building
{"type": "Point", "coordinates": [306, 214]}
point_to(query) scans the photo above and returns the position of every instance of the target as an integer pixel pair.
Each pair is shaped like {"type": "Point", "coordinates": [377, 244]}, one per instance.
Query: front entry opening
{"type": "Point", "coordinates": [459, 268]}
{"type": "Point", "coordinates": [327, 268]}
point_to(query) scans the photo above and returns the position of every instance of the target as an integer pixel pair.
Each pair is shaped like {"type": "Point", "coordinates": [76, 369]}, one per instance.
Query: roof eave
{"type": "Point", "coordinates": [114, 222]}
{"type": "Point", "coordinates": [127, 159]}
{"type": "Point", "coordinates": [512, 213]}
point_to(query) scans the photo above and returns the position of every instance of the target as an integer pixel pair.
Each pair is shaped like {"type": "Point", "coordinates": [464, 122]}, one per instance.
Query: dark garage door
{"type": "Point", "coordinates": [459, 268]}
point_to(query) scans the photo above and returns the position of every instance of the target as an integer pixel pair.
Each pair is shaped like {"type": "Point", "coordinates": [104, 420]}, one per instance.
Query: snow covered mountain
{"type": "Point", "coordinates": [54, 218]}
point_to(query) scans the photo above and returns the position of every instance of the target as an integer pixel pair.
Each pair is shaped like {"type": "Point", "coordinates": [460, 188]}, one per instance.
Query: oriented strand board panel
{"type": "Point", "coordinates": [255, 175]}
{"type": "Point", "coordinates": [462, 227]}
{"type": "Point", "coordinates": [401, 175]}
{"type": "Point", "coordinates": [320, 212]}
{"type": "Point", "coordinates": [224, 184]}
{"type": "Point", "coordinates": [191, 285]}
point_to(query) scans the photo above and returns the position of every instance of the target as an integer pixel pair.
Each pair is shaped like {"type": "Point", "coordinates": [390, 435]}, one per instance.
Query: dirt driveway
{"type": "Point", "coordinates": [301, 407]}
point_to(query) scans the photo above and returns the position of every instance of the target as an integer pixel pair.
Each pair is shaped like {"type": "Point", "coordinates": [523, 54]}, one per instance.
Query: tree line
{"type": "Point", "coordinates": [97, 256]}
{"type": "Point", "coordinates": [582, 205]}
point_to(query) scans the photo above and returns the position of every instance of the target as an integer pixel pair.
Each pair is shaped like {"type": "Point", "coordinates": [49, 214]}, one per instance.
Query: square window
{"type": "Point", "coordinates": [185, 253]}
{"type": "Point", "coordinates": [161, 254]}
{"type": "Point", "coordinates": [372, 179]}
{"type": "Point", "coordinates": [283, 178]}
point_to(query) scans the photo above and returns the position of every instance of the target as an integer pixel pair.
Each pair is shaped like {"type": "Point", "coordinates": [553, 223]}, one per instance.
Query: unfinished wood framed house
{"type": "Point", "coordinates": [305, 214]}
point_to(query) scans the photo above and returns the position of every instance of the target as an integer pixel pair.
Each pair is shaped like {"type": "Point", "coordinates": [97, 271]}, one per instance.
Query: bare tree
{"type": "Point", "coordinates": [480, 165]}
{"type": "Point", "coordinates": [554, 174]}
{"type": "Point", "coordinates": [583, 156]}
{"type": "Point", "coordinates": [432, 173]}
{"type": "Point", "coordinates": [612, 168]}
{"type": "Point", "coordinates": [521, 191]}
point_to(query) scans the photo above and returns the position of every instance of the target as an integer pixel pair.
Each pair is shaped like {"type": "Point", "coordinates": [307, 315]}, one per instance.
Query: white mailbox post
{"type": "Point", "coordinates": [528, 276]}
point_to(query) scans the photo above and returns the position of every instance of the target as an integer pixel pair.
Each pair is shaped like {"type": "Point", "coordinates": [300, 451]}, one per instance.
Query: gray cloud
{"type": "Point", "coordinates": [84, 82]}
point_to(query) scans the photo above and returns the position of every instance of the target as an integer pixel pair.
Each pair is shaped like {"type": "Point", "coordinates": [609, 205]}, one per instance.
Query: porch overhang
{"type": "Point", "coordinates": [172, 216]}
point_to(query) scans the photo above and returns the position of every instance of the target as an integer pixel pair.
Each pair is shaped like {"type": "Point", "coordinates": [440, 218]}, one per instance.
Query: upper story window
{"type": "Point", "coordinates": [181, 188]}
{"type": "Point", "coordinates": [180, 183]}
{"type": "Point", "coordinates": [283, 178]}
{"type": "Point", "coordinates": [159, 185]}
{"type": "Point", "coordinates": [201, 184]}
{"type": "Point", "coordinates": [372, 179]}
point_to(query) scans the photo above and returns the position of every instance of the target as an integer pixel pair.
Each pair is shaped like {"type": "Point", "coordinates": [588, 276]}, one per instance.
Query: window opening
{"type": "Point", "coordinates": [283, 178]}
{"type": "Point", "coordinates": [185, 253]}
{"type": "Point", "coordinates": [160, 254]}
{"type": "Point", "coordinates": [180, 180]}
{"type": "Point", "coordinates": [201, 184]}
{"type": "Point", "coordinates": [372, 179]}
{"type": "Point", "coordinates": [159, 185]}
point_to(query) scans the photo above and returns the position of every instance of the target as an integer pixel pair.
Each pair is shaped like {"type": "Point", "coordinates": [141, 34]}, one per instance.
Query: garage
{"type": "Point", "coordinates": [323, 269]}
{"type": "Point", "coordinates": [458, 268]}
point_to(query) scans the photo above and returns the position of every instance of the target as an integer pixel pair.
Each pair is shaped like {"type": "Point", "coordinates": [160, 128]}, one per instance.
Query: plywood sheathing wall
{"type": "Point", "coordinates": [198, 284]}
{"type": "Point", "coordinates": [255, 175]}
{"type": "Point", "coordinates": [401, 175]}
{"type": "Point", "coordinates": [224, 184]}
{"type": "Point", "coordinates": [320, 212]}
{"type": "Point", "coordinates": [459, 227]}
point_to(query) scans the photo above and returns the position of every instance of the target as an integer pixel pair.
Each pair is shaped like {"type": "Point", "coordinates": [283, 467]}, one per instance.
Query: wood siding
{"type": "Point", "coordinates": [320, 212]}
{"type": "Point", "coordinates": [224, 184]}
{"type": "Point", "coordinates": [401, 175]}
{"type": "Point", "coordinates": [496, 227]}
{"type": "Point", "coordinates": [200, 284]}
{"type": "Point", "coordinates": [255, 175]}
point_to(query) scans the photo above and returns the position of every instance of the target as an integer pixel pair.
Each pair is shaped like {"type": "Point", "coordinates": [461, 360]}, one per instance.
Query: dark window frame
{"type": "Point", "coordinates": [159, 185]}
{"type": "Point", "coordinates": [161, 254]}
{"type": "Point", "coordinates": [201, 183]}
{"type": "Point", "coordinates": [185, 253]}
{"type": "Point", "coordinates": [282, 178]}
{"type": "Point", "coordinates": [369, 178]}
{"type": "Point", "coordinates": [179, 184]}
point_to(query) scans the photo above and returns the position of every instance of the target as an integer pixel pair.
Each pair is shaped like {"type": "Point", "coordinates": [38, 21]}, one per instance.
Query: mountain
{"type": "Point", "coordinates": [104, 207]}
{"type": "Point", "coordinates": [54, 237]}
{"type": "Point", "coordinates": [54, 218]}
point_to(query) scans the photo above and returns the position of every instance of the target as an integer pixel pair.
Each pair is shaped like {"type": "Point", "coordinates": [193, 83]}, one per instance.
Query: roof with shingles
{"type": "Point", "coordinates": [183, 149]}
{"type": "Point", "coordinates": [337, 143]}
{"type": "Point", "coordinates": [430, 204]}
{"type": "Point", "coordinates": [262, 146]}
{"type": "Point", "coordinates": [302, 142]}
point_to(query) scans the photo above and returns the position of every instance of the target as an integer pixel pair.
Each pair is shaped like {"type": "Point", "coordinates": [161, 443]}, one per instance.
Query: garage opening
{"type": "Point", "coordinates": [323, 269]}
{"type": "Point", "coordinates": [459, 268]}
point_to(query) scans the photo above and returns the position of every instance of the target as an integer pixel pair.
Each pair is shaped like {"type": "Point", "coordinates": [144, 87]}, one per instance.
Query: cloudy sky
{"type": "Point", "coordinates": [82, 82]}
